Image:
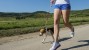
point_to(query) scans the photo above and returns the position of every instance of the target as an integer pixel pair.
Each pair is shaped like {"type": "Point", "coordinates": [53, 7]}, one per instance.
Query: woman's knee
{"type": "Point", "coordinates": [56, 22]}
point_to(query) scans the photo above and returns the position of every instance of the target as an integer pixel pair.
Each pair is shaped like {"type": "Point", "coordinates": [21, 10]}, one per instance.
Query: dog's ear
{"type": "Point", "coordinates": [42, 30]}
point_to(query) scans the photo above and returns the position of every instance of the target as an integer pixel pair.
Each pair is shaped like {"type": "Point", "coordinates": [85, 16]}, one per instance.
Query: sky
{"type": "Point", "coordinates": [37, 5]}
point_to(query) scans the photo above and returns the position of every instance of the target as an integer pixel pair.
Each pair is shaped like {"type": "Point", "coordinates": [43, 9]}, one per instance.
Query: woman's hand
{"type": "Point", "coordinates": [52, 1]}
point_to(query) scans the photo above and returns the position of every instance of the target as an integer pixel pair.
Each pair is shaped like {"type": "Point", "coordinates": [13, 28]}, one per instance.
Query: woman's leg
{"type": "Point", "coordinates": [57, 14]}
{"type": "Point", "coordinates": [65, 14]}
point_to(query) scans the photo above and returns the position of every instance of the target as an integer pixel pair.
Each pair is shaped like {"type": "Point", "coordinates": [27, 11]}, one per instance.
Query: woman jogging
{"type": "Point", "coordinates": [61, 7]}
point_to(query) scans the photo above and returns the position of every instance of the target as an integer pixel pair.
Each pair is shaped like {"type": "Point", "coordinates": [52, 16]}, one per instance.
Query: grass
{"type": "Point", "coordinates": [10, 26]}
{"type": "Point", "coordinates": [35, 22]}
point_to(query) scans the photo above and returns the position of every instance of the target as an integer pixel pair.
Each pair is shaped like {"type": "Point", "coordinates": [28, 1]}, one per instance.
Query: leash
{"type": "Point", "coordinates": [46, 22]}
{"type": "Point", "coordinates": [48, 15]}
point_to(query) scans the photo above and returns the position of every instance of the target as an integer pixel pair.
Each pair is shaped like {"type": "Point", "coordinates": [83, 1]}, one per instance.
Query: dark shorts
{"type": "Point", "coordinates": [62, 6]}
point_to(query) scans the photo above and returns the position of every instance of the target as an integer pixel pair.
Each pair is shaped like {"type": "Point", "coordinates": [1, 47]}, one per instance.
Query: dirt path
{"type": "Point", "coordinates": [33, 41]}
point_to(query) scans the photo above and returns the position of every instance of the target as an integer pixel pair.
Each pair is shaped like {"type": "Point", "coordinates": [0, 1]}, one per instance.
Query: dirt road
{"type": "Point", "coordinates": [33, 41]}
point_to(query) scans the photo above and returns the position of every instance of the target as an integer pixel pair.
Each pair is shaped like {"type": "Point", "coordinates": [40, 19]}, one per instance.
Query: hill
{"type": "Point", "coordinates": [79, 13]}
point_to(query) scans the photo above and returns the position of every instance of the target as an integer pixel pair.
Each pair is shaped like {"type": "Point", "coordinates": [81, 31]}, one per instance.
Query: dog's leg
{"type": "Point", "coordinates": [52, 36]}
{"type": "Point", "coordinates": [44, 37]}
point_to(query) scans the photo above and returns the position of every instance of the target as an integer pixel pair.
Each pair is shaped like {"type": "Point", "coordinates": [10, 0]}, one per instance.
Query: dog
{"type": "Point", "coordinates": [46, 31]}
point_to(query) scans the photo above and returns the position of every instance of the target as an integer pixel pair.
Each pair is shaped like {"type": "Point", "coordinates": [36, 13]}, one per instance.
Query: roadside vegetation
{"type": "Point", "coordinates": [22, 23]}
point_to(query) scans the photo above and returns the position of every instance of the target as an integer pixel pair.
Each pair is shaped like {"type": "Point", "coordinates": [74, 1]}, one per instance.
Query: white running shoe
{"type": "Point", "coordinates": [55, 46]}
{"type": "Point", "coordinates": [72, 34]}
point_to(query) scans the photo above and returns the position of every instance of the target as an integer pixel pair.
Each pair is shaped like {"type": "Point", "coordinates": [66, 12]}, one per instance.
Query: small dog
{"type": "Point", "coordinates": [46, 31]}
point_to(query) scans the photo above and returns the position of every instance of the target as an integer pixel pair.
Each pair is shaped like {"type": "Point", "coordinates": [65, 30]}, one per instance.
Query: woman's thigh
{"type": "Point", "coordinates": [65, 15]}
{"type": "Point", "coordinates": [57, 14]}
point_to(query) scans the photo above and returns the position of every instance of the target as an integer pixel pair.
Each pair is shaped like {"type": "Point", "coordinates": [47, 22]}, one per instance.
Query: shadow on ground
{"type": "Point", "coordinates": [63, 39]}
{"type": "Point", "coordinates": [82, 45]}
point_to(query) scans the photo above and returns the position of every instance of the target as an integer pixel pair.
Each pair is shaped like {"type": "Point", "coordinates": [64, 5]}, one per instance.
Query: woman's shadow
{"type": "Point", "coordinates": [63, 39]}
{"type": "Point", "coordinates": [82, 45]}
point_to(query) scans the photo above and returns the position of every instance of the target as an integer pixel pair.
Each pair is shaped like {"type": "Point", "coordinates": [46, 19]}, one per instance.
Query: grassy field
{"type": "Point", "coordinates": [10, 26]}
{"type": "Point", "coordinates": [12, 23]}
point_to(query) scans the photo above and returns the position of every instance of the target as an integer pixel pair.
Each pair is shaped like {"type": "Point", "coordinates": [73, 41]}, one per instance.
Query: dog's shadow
{"type": "Point", "coordinates": [63, 39]}
{"type": "Point", "coordinates": [77, 46]}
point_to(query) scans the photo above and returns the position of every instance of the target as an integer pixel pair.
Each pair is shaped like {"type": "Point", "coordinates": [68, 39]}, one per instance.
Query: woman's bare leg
{"type": "Point", "coordinates": [65, 14]}
{"type": "Point", "coordinates": [57, 14]}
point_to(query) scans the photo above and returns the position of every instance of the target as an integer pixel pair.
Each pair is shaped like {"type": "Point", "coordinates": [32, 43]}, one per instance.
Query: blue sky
{"type": "Point", "coordinates": [37, 5]}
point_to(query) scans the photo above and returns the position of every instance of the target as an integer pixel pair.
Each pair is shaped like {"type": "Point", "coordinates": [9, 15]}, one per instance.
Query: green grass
{"type": "Point", "coordinates": [11, 26]}
{"type": "Point", "coordinates": [35, 22]}
{"type": "Point", "coordinates": [23, 23]}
